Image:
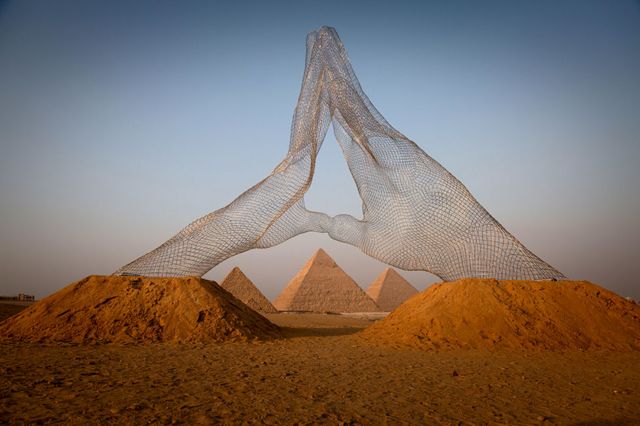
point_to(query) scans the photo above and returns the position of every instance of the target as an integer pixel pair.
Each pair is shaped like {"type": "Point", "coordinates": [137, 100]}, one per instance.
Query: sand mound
{"type": "Point", "coordinates": [322, 286]}
{"type": "Point", "coordinates": [490, 314]}
{"type": "Point", "coordinates": [238, 284]}
{"type": "Point", "coordinates": [138, 309]}
{"type": "Point", "coordinates": [390, 290]}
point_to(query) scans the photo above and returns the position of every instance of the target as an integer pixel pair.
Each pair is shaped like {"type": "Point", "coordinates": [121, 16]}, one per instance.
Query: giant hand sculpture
{"type": "Point", "coordinates": [267, 214]}
{"type": "Point", "coordinates": [416, 215]}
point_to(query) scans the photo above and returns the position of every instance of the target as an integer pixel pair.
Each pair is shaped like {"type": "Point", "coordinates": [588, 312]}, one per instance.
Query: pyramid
{"type": "Point", "coordinates": [127, 309]}
{"type": "Point", "coordinates": [322, 286]}
{"type": "Point", "coordinates": [237, 283]}
{"type": "Point", "coordinates": [390, 290]}
{"type": "Point", "coordinates": [475, 313]}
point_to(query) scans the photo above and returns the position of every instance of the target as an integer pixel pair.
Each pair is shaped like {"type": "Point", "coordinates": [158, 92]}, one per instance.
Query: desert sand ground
{"type": "Point", "coordinates": [322, 371]}
{"type": "Point", "coordinates": [9, 308]}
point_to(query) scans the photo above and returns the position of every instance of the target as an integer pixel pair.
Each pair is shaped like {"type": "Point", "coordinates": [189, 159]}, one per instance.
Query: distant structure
{"type": "Point", "coordinates": [322, 286]}
{"type": "Point", "coordinates": [237, 283]}
{"type": "Point", "coordinates": [21, 297]}
{"type": "Point", "coordinates": [416, 215]}
{"type": "Point", "coordinates": [390, 290]}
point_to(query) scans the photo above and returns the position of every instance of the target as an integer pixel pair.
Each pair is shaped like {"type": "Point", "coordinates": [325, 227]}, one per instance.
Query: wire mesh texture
{"type": "Point", "coordinates": [415, 214]}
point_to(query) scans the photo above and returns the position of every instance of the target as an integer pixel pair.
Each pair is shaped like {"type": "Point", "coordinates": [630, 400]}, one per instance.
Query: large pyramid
{"type": "Point", "coordinates": [238, 284]}
{"type": "Point", "coordinates": [390, 290]}
{"type": "Point", "coordinates": [322, 286]}
{"type": "Point", "coordinates": [139, 309]}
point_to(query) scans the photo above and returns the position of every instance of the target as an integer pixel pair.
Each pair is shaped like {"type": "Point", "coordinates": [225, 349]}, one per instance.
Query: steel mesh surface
{"type": "Point", "coordinates": [416, 215]}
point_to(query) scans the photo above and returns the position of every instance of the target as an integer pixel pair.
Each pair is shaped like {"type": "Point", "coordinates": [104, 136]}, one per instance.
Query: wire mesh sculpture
{"type": "Point", "coordinates": [416, 215]}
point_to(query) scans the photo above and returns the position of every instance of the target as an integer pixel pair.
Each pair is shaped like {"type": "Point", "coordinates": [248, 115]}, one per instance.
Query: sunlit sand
{"type": "Point", "coordinates": [420, 364]}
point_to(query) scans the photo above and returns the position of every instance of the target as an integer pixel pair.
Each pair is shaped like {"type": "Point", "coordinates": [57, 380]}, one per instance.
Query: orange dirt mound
{"type": "Point", "coordinates": [494, 315]}
{"type": "Point", "coordinates": [139, 309]}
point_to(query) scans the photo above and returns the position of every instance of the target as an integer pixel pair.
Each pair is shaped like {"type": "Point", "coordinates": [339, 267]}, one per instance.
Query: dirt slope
{"type": "Point", "coordinates": [490, 314]}
{"type": "Point", "coordinates": [138, 309]}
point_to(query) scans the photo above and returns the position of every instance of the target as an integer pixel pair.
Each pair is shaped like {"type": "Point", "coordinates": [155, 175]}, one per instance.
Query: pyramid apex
{"type": "Point", "coordinates": [392, 272]}
{"type": "Point", "coordinates": [235, 271]}
{"type": "Point", "coordinates": [384, 274]}
{"type": "Point", "coordinates": [320, 251]}
{"type": "Point", "coordinates": [321, 256]}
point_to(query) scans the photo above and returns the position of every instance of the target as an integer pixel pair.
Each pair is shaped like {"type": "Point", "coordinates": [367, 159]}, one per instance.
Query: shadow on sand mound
{"type": "Point", "coordinates": [490, 314]}
{"type": "Point", "coordinates": [139, 309]}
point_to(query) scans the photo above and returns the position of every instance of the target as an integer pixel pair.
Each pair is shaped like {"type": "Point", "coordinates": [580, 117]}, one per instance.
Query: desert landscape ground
{"type": "Point", "coordinates": [318, 368]}
{"type": "Point", "coordinates": [321, 371]}
{"type": "Point", "coordinates": [10, 309]}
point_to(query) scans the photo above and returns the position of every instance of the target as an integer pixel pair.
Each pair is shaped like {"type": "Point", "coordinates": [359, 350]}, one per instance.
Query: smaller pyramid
{"type": "Point", "coordinates": [390, 290]}
{"type": "Point", "coordinates": [238, 284]}
{"type": "Point", "coordinates": [322, 286]}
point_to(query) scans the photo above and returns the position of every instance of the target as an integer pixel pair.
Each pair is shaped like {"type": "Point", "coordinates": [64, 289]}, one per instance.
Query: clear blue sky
{"type": "Point", "coordinates": [121, 122]}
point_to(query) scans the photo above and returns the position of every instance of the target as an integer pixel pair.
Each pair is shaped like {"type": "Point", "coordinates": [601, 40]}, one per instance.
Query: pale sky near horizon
{"type": "Point", "coordinates": [121, 122]}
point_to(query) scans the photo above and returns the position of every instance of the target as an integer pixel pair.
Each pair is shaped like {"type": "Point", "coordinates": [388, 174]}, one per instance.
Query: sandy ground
{"type": "Point", "coordinates": [9, 308]}
{"type": "Point", "coordinates": [321, 372]}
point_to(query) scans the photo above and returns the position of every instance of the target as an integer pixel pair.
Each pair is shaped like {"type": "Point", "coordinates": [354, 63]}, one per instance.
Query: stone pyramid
{"type": "Point", "coordinates": [237, 283]}
{"type": "Point", "coordinates": [390, 290]}
{"type": "Point", "coordinates": [322, 286]}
